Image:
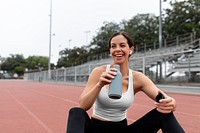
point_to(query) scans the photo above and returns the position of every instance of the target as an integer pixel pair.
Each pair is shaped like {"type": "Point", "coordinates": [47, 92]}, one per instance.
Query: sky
{"type": "Point", "coordinates": [25, 24]}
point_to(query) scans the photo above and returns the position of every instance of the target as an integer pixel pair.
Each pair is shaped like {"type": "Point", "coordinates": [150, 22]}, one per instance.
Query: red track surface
{"type": "Point", "coordinates": [31, 107]}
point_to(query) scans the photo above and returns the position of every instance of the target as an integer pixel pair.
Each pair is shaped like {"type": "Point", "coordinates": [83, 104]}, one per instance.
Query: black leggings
{"type": "Point", "coordinates": [80, 122]}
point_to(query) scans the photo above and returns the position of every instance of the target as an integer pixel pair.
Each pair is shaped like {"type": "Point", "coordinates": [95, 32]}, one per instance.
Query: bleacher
{"type": "Point", "coordinates": [183, 54]}
{"type": "Point", "coordinates": [184, 57]}
{"type": "Point", "coordinates": [190, 59]}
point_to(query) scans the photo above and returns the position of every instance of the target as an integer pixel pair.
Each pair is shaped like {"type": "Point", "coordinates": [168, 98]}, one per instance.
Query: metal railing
{"type": "Point", "coordinates": [171, 64]}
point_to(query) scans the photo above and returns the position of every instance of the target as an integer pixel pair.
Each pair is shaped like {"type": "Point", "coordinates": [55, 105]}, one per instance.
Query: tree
{"type": "Point", "coordinates": [36, 62]}
{"type": "Point", "coordinates": [13, 61]}
{"type": "Point", "coordinates": [72, 57]}
{"type": "Point", "coordinates": [184, 17]}
{"type": "Point", "coordinates": [17, 64]}
{"type": "Point", "coordinates": [143, 28]}
{"type": "Point", "coordinates": [99, 44]}
{"type": "Point", "coordinates": [19, 70]}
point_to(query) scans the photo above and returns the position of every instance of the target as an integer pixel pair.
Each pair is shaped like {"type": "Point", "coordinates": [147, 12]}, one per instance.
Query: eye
{"type": "Point", "coordinates": [113, 46]}
{"type": "Point", "coordinates": [122, 45]}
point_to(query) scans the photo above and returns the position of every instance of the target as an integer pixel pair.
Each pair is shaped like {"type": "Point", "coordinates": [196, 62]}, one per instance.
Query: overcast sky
{"type": "Point", "coordinates": [24, 24]}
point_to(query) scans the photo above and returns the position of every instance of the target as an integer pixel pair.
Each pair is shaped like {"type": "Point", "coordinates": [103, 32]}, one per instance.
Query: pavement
{"type": "Point", "coordinates": [38, 107]}
{"type": "Point", "coordinates": [181, 89]}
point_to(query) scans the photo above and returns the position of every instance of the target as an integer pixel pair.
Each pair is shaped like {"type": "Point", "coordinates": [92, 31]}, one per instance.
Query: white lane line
{"type": "Point", "coordinates": [187, 104]}
{"type": "Point", "coordinates": [179, 102]}
{"type": "Point", "coordinates": [177, 112]}
{"type": "Point", "coordinates": [132, 120]}
{"type": "Point", "coordinates": [149, 107]}
{"type": "Point", "coordinates": [55, 97]}
{"type": "Point", "coordinates": [31, 113]}
{"type": "Point", "coordinates": [194, 115]}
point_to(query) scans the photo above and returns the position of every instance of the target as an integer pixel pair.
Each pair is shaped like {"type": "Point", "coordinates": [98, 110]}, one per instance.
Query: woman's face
{"type": "Point", "coordinates": [119, 49]}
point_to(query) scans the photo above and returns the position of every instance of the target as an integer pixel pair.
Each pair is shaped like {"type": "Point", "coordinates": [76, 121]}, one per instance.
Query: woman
{"type": "Point", "coordinates": [109, 115]}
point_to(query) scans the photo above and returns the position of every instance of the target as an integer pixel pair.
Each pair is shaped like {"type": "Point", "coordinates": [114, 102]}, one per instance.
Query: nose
{"type": "Point", "coordinates": [118, 49]}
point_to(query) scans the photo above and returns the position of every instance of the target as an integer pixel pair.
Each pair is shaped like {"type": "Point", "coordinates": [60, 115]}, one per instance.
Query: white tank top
{"type": "Point", "coordinates": [114, 109]}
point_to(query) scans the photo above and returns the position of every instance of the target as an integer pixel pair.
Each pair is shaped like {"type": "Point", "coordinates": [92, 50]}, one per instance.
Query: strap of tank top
{"type": "Point", "coordinates": [107, 67]}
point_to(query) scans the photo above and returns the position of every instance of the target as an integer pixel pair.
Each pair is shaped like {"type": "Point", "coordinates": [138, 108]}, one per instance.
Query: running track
{"type": "Point", "coordinates": [33, 107]}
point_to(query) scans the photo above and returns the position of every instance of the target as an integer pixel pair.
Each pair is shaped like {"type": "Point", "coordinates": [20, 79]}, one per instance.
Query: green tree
{"type": "Point", "coordinates": [17, 64]}
{"type": "Point", "coordinates": [99, 44]}
{"type": "Point", "coordinates": [37, 62]}
{"type": "Point", "coordinates": [13, 61]}
{"type": "Point", "coordinates": [14, 64]}
{"type": "Point", "coordinates": [72, 57]}
{"type": "Point", "coordinates": [143, 28]}
{"type": "Point", "coordinates": [19, 70]}
{"type": "Point", "coordinates": [184, 17]}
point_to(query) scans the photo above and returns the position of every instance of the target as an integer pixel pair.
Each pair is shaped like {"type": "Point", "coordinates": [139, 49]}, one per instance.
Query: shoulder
{"type": "Point", "coordinates": [98, 70]}
{"type": "Point", "coordinates": [137, 74]}
{"type": "Point", "coordinates": [139, 80]}
{"type": "Point", "coordinates": [138, 77]}
{"type": "Point", "coordinates": [95, 74]}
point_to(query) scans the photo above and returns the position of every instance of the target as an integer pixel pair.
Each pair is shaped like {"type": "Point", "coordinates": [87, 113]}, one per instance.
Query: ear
{"type": "Point", "coordinates": [131, 50]}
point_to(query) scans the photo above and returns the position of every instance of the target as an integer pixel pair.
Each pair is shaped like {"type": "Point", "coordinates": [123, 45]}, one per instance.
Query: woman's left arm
{"type": "Point", "coordinates": [143, 83]}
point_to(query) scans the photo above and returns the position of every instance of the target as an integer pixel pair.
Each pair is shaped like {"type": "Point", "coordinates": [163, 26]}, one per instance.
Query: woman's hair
{"type": "Point", "coordinates": [129, 39]}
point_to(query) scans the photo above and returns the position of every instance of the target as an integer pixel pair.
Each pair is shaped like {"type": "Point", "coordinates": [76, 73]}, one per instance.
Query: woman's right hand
{"type": "Point", "coordinates": [106, 77]}
{"type": "Point", "coordinates": [97, 79]}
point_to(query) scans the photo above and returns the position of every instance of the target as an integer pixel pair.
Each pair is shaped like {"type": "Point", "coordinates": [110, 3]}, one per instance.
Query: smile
{"type": "Point", "coordinates": [118, 55]}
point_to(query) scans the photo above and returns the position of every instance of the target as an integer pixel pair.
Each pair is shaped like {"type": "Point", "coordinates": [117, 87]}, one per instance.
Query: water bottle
{"type": "Point", "coordinates": [115, 89]}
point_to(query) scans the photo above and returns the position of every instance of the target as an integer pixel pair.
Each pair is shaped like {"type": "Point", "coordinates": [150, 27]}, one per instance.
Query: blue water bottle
{"type": "Point", "coordinates": [115, 89]}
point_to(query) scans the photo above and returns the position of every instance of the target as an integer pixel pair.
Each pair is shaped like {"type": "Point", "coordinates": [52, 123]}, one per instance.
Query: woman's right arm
{"type": "Point", "coordinates": [90, 92]}
{"type": "Point", "coordinates": [97, 79]}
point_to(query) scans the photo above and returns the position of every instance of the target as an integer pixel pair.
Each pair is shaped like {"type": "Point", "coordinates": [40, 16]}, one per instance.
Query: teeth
{"type": "Point", "coordinates": [118, 55]}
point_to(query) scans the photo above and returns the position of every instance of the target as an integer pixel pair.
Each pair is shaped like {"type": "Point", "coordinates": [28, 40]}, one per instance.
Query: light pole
{"type": "Point", "coordinates": [0, 63]}
{"type": "Point", "coordinates": [160, 25]}
{"type": "Point", "coordinates": [69, 42]}
{"type": "Point", "coordinates": [86, 32]}
{"type": "Point", "coordinates": [49, 62]}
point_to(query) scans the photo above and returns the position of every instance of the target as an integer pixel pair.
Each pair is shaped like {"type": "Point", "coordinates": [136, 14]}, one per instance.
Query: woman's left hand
{"type": "Point", "coordinates": [166, 105]}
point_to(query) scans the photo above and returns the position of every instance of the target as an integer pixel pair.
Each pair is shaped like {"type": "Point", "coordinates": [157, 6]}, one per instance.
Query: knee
{"type": "Point", "coordinates": [163, 115]}
{"type": "Point", "coordinates": [77, 111]}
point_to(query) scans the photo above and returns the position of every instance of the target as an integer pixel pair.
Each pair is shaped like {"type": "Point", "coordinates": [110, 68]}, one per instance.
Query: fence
{"type": "Point", "coordinates": [179, 63]}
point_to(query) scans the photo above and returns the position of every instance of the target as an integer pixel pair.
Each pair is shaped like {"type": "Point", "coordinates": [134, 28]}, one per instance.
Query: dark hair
{"type": "Point", "coordinates": [129, 39]}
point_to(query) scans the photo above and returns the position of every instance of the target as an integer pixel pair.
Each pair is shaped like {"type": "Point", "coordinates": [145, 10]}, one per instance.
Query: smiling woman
{"type": "Point", "coordinates": [118, 46]}
{"type": "Point", "coordinates": [109, 115]}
